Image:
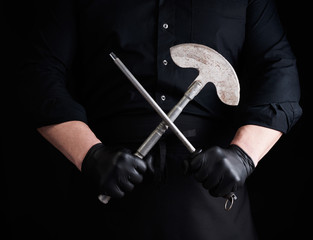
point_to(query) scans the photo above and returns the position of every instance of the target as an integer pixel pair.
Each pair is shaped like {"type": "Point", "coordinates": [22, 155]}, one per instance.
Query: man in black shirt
{"type": "Point", "coordinates": [82, 104]}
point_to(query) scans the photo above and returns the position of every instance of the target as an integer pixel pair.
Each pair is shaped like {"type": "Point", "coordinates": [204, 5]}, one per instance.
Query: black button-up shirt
{"type": "Point", "coordinates": [70, 76]}
{"type": "Point", "coordinates": [67, 74]}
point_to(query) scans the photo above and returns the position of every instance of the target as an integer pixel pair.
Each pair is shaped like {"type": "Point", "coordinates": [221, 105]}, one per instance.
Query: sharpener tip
{"type": "Point", "coordinates": [113, 56]}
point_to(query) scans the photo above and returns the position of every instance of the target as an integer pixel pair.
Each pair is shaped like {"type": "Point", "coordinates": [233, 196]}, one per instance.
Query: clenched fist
{"type": "Point", "coordinates": [113, 172]}
{"type": "Point", "coordinates": [221, 170]}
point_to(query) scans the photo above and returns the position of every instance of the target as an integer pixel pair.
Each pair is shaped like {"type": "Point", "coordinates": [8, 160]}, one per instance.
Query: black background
{"type": "Point", "coordinates": [280, 187]}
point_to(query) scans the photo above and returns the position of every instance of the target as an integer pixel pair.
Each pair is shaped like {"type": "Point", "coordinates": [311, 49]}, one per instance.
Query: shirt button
{"type": "Point", "coordinates": [165, 26]}
{"type": "Point", "coordinates": [163, 98]}
{"type": "Point", "coordinates": [165, 62]}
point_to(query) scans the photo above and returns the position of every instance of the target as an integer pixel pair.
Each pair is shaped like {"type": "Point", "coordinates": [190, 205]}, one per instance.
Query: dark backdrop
{"type": "Point", "coordinates": [280, 187]}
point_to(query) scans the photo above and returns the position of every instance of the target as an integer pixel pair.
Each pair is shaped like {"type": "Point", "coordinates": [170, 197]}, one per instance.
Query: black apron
{"type": "Point", "coordinates": [170, 204]}
{"type": "Point", "coordinates": [59, 204]}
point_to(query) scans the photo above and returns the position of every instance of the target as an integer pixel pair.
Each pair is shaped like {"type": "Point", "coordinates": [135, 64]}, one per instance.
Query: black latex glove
{"type": "Point", "coordinates": [113, 172]}
{"type": "Point", "coordinates": [221, 170]}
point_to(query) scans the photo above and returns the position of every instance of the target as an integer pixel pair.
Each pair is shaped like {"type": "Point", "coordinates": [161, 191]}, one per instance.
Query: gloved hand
{"type": "Point", "coordinates": [113, 172]}
{"type": "Point", "coordinates": [221, 170]}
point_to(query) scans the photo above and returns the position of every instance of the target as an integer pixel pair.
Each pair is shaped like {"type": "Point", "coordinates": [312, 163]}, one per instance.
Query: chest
{"type": "Point", "coordinates": [216, 23]}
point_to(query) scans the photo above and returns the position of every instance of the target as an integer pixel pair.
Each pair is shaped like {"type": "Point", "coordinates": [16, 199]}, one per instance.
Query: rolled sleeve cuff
{"type": "Point", "coordinates": [57, 110]}
{"type": "Point", "coordinates": [279, 116]}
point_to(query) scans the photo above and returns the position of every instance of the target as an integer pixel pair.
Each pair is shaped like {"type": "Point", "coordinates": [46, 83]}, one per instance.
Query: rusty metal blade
{"type": "Point", "coordinates": [212, 67]}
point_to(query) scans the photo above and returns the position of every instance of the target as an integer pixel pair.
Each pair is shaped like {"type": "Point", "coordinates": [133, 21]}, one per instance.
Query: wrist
{"type": "Point", "coordinates": [73, 139]}
{"type": "Point", "coordinates": [256, 141]}
{"type": "Point", "coordinates": [244, 157]}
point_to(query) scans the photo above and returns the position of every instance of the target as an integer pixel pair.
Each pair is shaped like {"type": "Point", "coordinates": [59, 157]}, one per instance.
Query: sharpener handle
{"type": "Point", "coordinates": [230, 197]}
{"type": "Point", "coordinates": [105, 198]}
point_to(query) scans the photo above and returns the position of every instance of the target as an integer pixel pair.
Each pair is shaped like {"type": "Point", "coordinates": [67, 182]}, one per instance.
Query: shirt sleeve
{"type": "Point", "coordinates": [278, 116]}
{"type": "Point", "coordinates": [271, 91]}
{"type": "Point", "coordinates": [46, 67]}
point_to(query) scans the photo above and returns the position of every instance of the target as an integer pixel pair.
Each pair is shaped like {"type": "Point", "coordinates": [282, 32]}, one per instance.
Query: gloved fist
{"type": "Point", "coordinates": [220, 170]}
{"type": "Point", "coordinates": [113, 172]}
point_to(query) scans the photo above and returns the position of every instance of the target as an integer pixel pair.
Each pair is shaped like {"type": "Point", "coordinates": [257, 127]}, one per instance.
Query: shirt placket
{"type": "Point", "coordinates": [165, 40]}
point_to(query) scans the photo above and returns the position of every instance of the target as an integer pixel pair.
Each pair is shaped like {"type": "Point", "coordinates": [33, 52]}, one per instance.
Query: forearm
{"type": "Point", "coordinates": [256, 141]}
{"type": "Point", "coordinates": [73, 139]}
